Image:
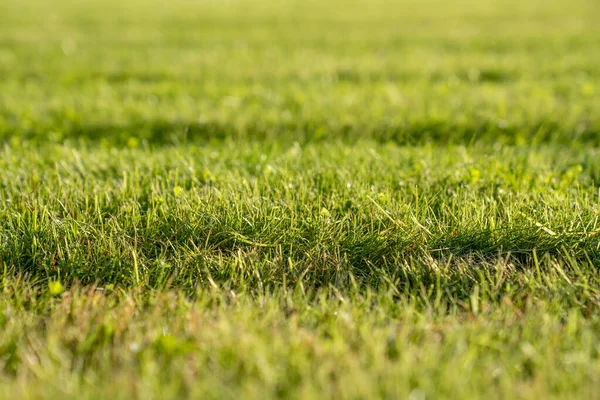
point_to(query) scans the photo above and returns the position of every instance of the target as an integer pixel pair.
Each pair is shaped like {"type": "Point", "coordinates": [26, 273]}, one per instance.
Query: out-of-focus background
{"type": "Point", "coordinates": [403, 71]}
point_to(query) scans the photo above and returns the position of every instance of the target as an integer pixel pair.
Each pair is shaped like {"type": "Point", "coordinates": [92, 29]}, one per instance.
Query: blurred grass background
{"type": "Point", "coordinates": [409, 72]}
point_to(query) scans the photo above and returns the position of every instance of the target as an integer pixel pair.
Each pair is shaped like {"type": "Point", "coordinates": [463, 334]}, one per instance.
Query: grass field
{"type": "Point", "coordinates": [300, 199]}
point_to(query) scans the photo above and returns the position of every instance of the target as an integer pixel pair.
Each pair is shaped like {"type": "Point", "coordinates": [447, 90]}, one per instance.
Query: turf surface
{"type": "Point", "coordinates": [256, 199]}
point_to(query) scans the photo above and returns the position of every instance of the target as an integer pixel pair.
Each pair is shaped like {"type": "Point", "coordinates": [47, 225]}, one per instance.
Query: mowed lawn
{"type": "Point", "coordinates": [299, 199]}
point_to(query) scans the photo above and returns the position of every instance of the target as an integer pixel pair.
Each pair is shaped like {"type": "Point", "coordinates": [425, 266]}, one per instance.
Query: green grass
{"type": "Point", "coordinates": [250, 199]}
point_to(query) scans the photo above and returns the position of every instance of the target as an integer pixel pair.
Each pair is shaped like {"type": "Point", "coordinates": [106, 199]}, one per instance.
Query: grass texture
{"type": "Point", "coordinates": [299, 199]}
